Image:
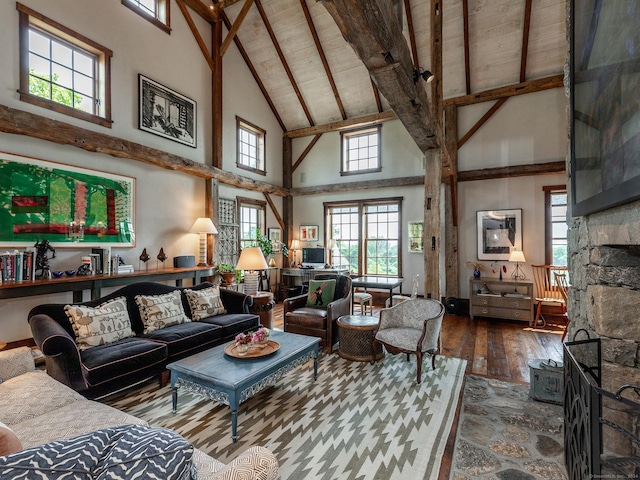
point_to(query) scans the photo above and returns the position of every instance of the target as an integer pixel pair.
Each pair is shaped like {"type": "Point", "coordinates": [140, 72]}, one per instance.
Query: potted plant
{"type": "Point", "coordinates": [267, 245]}
{"type": "Point", "coordinates": [228, 272]}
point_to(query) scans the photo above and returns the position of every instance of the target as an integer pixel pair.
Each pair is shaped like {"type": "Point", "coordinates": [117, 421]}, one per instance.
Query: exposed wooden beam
{"type": "Point", "coordinates": [323, 58]}
{"type": "Point", "coordinates": [274, 210]}
{"type": "Point", "coordinates": [436, 67]}
{"type": "Point", "coordinates": [306, 152]}
{"type": "Point", "coordinates": [531, 86]}
{"type": "Point", "coordinates": [525, 40]}
{"type": "Point", "coordinates": [196, 34]}
{"type": "Point", "coordinates": [24, 123]}
{"type": "Point", "coordinates": [465, 23]}
{"type": "Point", "coordinates": [236, 26]}
{"type": "Point", "coordinates": [254, 72]}
{"type": "Point", "coordinates": [451, 170]}
{"type": "Point", "coordinates": [216, 96]}
{"type": "Point", "coordinates": [494, 108]}
{"type": "Point", "coordinates": [362, 185]}
{"type": "Point", "coordinates": [343, 125]}
{"type": "Point", "coordinates": [432, 224]}
{"type": "Point", "coordinates": [376, 37]}
{"type": "Point", "coordinates": [284, 62]}
{"type": "Point", "coordinates": [208, 14]}
{"type": "Point", "coordinates": [412, 34]}
{"type": "Point", "coordinates": [512, 171]}
{"type": "Point", "coordinates": [222, 4]}
{"type": "Point", "coordinates": [376, 96]}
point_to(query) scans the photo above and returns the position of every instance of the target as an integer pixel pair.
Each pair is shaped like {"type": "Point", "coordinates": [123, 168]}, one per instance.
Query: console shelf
{"type": "Point", "coordinates": [504, 299]}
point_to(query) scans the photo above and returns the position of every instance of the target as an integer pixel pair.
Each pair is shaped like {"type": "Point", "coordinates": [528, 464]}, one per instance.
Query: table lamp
{"type": "Point", "coordinates": [295, 245]}
{"type": "Point", "coordinates": [517, 257]}
{"type": "Point", "coordinates": [203, 226]}
{"type": "Point", "coordinates": [251, 260]}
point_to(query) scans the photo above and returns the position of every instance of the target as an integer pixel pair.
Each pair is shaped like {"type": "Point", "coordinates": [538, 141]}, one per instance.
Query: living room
{"type": "Point", "coordinates": [510, 151]}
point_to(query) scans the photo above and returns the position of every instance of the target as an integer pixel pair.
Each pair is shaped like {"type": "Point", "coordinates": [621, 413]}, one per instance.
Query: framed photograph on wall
{"type": "Point", "coordinates": [275, 236]}
{"type": "Point", "coordinates": [499, 232]}
{"type": "Point", "coordinates": [308, 233]}
{"type": "Point", "coordinates": [166, 113]}
{"type": "Point", "coordinates": [66, 205]}
{"type": "Point", "coordinates": [416, 237]}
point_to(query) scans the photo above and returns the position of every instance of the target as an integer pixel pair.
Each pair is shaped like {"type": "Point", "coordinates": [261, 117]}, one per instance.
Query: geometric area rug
{"type": "Point", "coordinates": [356, 421]}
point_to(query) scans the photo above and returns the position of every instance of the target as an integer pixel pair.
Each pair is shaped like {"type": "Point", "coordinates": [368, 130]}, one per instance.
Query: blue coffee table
{"type": "Point", "coordinates": [231, 381]}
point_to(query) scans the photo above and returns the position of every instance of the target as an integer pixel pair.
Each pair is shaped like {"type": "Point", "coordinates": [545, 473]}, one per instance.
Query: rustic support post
{"type": "Point", "coordinates": [432, 185]}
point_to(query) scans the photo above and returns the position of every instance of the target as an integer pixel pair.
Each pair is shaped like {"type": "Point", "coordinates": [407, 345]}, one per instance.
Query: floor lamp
{"type": "Point", "coordinates": [203, 226]}
{"type": "Point", "coordinates": [251, 260]}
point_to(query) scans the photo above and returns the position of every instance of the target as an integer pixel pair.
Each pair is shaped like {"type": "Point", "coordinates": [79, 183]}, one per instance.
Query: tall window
{"type": "Point", "coordinates": [361, 151]}
{"type": "Point", "coordinates": [62, 70]}
{"type": "Point", "coordinates": [367, 235]}
{"type": "Point", "coordinates": [251, 147]}
{"type": "Point", "coordinates": [252, 216]}
{"type": "Point", "coordinates": [156, 11]}
{"type": "Point", "coordinates": [556, 225]}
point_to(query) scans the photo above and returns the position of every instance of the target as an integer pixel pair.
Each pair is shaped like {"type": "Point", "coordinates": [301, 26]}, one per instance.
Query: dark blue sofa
{"type": "Point", "coordinates": [105, 369]}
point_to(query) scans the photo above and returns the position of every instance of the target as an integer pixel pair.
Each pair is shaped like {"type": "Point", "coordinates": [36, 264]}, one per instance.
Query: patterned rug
{"type": "Point", "coordinates": [357, 421]}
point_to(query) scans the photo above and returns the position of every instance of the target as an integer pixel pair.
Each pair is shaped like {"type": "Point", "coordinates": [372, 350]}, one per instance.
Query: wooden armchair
{"type": "Point", "coordinates": [412, 326]}
{"type": "Point", "coordinates": [319, 321]}
{"type": "Point", "coordinates": [546, 289]}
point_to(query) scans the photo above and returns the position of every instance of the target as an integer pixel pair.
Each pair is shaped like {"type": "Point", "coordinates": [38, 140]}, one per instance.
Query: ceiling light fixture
{"type": "Point", "coordinates": [426, 75]}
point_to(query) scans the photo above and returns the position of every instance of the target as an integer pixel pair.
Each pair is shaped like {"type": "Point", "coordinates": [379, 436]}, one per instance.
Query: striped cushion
{"type": "Point", "coordinates": [127, 451]}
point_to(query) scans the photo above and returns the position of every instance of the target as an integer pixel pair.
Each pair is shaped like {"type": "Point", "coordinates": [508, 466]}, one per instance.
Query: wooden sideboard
{"type": "Point", "coordinates": [94, 283]}
{"type": "Point", "coordinates": [502, 301]}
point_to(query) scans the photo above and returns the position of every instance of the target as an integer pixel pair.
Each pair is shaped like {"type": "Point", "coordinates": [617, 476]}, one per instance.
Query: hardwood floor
{"type": "Point", "coordinates": [493, 348]}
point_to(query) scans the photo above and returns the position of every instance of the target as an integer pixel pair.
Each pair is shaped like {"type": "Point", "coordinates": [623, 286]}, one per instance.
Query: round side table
{"type": "Point", "coordinates": [263, 306]}
{"type": "Point", "coordinates": [355, 333]}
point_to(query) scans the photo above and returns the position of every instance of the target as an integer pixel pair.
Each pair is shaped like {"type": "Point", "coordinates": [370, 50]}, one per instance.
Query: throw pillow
{"type": "Point", "coordinates": [9, 442]}
{"type": "Point", "coordinates": [15, 361]}
{"type": "Point", "coordinates": [205, 303]}
{"type": "Point", "coordinates": [126, 451]}
{"type": "Point", "coordinates": [320, 293]}
{"type": "Point", "coordinates": [100, 325]}
{"type": "Point", "coordinates": [160, 311]}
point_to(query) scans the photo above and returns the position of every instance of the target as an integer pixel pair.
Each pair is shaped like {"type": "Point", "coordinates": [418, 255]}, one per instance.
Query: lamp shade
{"type": "Point", "coordinates": [203, 225]}
{"type": "Point", "coordinates": [251, 258]}
{"type": "Point", "coordinates": [517, 256]}
{"type": "Point", "coordinates": [295, 244]}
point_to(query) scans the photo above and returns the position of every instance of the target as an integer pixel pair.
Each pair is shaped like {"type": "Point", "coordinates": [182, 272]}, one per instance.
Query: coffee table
{"type": "Point", "coordinates": [228, 380]}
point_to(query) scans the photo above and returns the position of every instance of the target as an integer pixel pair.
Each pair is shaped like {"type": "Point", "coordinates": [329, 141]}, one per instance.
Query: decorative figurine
{"type": "Point", "coordinates": [161, 256]}
{"type": "Point", "coordinates": [144, 258]}
{"type": "Point", "coordinates": [42, 260]}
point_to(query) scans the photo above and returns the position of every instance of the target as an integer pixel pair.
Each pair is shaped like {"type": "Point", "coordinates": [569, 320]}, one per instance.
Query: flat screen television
{"type": "Point", "coordinates": [313, 257]}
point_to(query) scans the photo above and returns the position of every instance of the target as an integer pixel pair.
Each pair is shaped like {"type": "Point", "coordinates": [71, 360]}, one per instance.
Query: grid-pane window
{"type": "Point", "coordinates": [361, 151]}
{"type": "Point", "coordinates": [556, 226]}
{"type": "Point", "coordinates": [367, 236]}
{"type": "Point", "coordinates": [345, 230]}
{"type": "Point", "coordinates": [155, 11]}
{"type": "Point", "coordinates": [251, 218]}
{"type": "Point", "coordinates": [382, 239]}
{"type": "Point", "coordinates": [63, 70]}
{"type": "Point", "coordinates": [251, 141]}
{"type": "Point", "coordinates": [149, 7]}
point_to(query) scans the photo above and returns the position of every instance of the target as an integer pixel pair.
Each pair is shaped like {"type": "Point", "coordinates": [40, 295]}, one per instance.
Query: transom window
{"type": "Point", "coordinates": [361, 151]}
{"type": "Point", "coordinates": [62, 70]}
{"type": "Point", "coordinates": [156, 11]}
{"type": "Point", "coordinates": [556, 225]}
{"type": "Point", "coordinates": [252, 217]}
{"type": "Point", "coordinates": [251, 147]}
{"type": "Point", "coordinates": [367, 235]}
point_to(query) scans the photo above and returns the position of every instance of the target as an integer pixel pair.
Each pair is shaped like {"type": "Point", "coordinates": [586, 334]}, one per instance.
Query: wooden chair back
{"type": "Point", "coordinates": [546, 285]}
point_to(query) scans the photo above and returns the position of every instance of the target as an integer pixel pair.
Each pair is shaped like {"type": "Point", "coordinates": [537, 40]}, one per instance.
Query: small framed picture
{"type": "Point", "coordinates": [499, 232]}
{"type": "Point", "coordinates": [308, 233]}
{"type": "Point", "coordinates": [166, 113]}
{"type": "Point", "coordinates": [275, 236]}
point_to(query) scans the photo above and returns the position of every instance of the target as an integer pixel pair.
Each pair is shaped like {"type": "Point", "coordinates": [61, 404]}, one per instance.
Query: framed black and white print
{"type": "Point", "coordinates": [166, 113]}
{"type": "Point", "coordinates": [499, 232]}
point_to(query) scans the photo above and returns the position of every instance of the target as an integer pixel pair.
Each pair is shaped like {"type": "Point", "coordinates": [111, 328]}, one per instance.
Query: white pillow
{"type": "Point", "coordinates": [160, 311]}
{"type": "Point", "coordinates": [15, 361]}
{"type": "Point", "coordinates": [205, 303]}
{"type": "Point", "coordinates": [100, 325]}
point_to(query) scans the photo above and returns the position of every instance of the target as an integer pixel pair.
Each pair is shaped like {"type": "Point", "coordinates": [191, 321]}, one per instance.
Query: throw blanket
{"type": "Point", "coordinates": [127, 451]}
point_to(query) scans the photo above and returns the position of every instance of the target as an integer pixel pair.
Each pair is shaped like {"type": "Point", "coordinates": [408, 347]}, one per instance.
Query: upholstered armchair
{"type": "Point", "coordinates": [412, 326]}
{"type": "Point", "coordinates": [319, 321]}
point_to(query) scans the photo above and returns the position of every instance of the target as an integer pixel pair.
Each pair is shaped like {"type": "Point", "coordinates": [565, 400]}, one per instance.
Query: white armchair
{"type": "Point", "coordinates": [412, 326]}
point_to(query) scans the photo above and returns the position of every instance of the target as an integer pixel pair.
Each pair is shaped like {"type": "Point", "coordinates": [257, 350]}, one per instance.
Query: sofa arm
{"type": "Point", "coordinates": [255, 463]}
{"type": "Point", "coordinates": [338, 308]}
{"type": "Point", "coordinates": [235, 302]}
{"type": "Point", "coordinates": [60, 350]}
{"type": "Point", "coordinates": [292, 303]}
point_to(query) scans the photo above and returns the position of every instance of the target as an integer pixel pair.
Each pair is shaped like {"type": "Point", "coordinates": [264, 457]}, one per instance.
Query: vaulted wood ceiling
{"type": "Point", "coordinates": [311, 76]}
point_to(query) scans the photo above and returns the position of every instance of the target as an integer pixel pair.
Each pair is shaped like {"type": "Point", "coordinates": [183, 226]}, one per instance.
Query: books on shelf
{"type": "Point", "coordinates": [125, 268]}
{"type": "Point", "coordinates": [17, 266]}
{"type": "Point", "coordinates": [101, 260]}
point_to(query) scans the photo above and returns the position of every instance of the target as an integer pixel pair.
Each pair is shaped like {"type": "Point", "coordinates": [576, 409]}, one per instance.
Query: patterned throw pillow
{"type": "Point", "coordinates": [160, 311]}
{"type": "Point", "coordinates": [100, 325]}
{"type": "Point", "coordinates": [126, 451]}
{"type": "Point", "coordinates": [205, 303]}
{"type": "Point", "coordinates": [320, 293]}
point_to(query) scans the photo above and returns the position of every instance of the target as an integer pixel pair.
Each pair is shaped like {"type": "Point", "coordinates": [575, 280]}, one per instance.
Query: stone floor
{"type": "Point", "coordinates": [505, 435]}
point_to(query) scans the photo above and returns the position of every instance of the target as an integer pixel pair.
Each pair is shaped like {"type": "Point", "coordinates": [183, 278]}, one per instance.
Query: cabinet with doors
{"type": "Point", "coordinates": [495, 298]}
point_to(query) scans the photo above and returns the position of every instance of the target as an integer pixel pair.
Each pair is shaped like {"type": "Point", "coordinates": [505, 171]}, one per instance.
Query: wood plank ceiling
{"type": "Point", "coordinates": [311, 76]}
